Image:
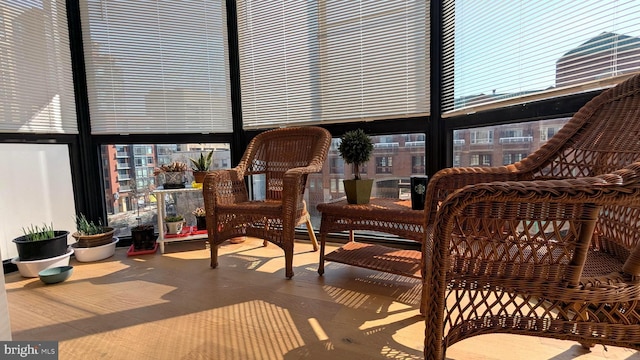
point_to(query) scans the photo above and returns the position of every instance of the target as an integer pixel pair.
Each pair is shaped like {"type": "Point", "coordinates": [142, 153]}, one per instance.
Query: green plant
{"type": "Point", "coordinates": [203, 162]}
{"type": "Point", "coordinates": [176, 166]}
{"type": "Point", "coordinates": [37, 233]}
{"type": "Point", "coordinates": [142, 227]}
{"type": "Point", "coordinates": [88, 227]}
{"type": "Point", "coordinates": [355, 148]}
{"type": "Point", "coordinates": [173, 218]}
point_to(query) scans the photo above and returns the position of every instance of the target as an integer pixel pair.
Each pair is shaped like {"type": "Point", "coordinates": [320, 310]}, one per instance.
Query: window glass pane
{"type": "Point", "coordinates": [471, 147]}
{"type": "Point", "coordinates": [38, 190]}
{"type": "Point", "coordinates": [517, 51]}
{"type": "Point", "coordinates": [130, 182]}
{"type": "Point", "coordinates": [158, 66]}
{"type": "Point", "coordinates": [36, 85]}
{"type": "Point", "coordinates": [394, 159]}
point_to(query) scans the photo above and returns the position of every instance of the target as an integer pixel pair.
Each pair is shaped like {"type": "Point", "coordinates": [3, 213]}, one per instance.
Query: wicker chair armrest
{"type": "Point", "coordinates": [446, 181]}
{"type": "Point", "coordinates": [527, 230]}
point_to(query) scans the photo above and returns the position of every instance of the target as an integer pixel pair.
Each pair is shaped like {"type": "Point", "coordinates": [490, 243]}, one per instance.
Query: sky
{"type": "Point", "coordinates": [512, 46]}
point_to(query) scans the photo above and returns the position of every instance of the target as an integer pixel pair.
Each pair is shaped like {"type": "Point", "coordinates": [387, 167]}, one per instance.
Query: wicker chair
{"type": "Point", "coordinates": [549, 246]}
{"type": "Point", "coordinates": [284, 157]}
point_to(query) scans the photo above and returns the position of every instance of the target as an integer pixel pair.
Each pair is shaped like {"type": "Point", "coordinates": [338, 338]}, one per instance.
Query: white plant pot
{"type": "Point", "coordinates": [31, 268]}
{"type": "Point", "coordinates": [87, 254]}
{"type": "Point", "coordinates": [174, 227]}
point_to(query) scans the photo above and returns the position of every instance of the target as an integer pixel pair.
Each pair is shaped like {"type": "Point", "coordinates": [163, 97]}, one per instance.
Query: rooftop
{"type": "Point", "coordinates": [174, 306]}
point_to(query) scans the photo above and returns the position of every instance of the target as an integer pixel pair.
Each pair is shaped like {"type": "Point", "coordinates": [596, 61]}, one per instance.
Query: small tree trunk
{"type": "Point", "coordinates": [356, 171]}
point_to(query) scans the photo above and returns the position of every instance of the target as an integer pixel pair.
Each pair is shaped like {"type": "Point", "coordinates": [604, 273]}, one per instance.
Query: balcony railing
{"type": "Point", "coordinates": [392, 145]}
{"type": "Point", "coordinates": [122, 154]}
{"type": "Point", "coordinates": [414, 143]}
{"type": "Point", "coordinates": [458, 141]}
{"type": "Point", "coordinates": [516, 139]}
{"type": "Point", "coordinates": [123, 166]}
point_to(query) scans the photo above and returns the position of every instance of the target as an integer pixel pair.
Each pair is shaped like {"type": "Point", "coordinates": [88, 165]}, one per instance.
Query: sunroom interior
{"type": "Point", "coordinates": [98, 93]}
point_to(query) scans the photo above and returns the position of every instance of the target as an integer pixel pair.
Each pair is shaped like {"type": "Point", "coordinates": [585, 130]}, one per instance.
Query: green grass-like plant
{"type": "Point", "coordinates": [87, 227]}
{"type": "Point", "coordinates": [37, 233]}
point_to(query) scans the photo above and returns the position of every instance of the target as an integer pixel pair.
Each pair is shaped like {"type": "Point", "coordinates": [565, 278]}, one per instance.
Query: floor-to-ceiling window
{"type": "Point", "coordinates": [498, 55]}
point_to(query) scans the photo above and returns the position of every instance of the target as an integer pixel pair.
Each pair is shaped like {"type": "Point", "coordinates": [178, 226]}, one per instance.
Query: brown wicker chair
{"type": "Point", "coordinates": [549, 246]}
{"type": "Point", "coordinates": [285, 157]}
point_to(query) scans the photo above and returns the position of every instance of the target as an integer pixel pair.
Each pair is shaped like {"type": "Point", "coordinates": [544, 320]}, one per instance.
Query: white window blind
{"type": "Point", "coordinates": [36, 85]}
{"type": "Point", "coordinates": [309, 62]}
{"type": "Point", "coordinates": [506, 52]}
{"type": "Point", "coordinates": [156, 66]}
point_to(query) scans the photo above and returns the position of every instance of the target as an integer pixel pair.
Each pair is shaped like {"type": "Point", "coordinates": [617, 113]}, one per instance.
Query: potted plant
{"type": "Point", "coordinates": [356, 148]}
{"type": "Point", "coordinates": [174, 224]}
{"type": "Point", "coordinates": [93, 241]}
{"type": "Point", "coordinates": [201, 220]}
{"type": "Point", "coordinates": [39, 243]}
{"type": "Point", "coordinates": [143, 237]}
{"type": "Point", "coordinates": [200, 166]}
{"type": "Point", "coordinates": [90, 234]}
{"type": "Point", "coordinates": [173, 174]}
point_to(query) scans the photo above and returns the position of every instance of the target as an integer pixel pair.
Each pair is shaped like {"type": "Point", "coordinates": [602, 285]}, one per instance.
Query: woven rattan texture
{"type": "Point", "coordinates": [546, 247]}
{"type": "Point", "coordinates": [94, 240]}
{"type": "Point", "coordinates": [285, 157]}
{"type": "Point", "coordinates": [385, 215]}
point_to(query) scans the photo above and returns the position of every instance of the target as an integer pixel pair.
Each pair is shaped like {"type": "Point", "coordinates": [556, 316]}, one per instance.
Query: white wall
{"type": "Point", "coordinates": [35, 188]}
{"type": "Point", "coordinates": [5, 325]}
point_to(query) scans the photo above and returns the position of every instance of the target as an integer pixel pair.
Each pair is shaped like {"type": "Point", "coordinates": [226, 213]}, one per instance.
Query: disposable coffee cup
{"type": "Point", "coordinates": [418, 191]}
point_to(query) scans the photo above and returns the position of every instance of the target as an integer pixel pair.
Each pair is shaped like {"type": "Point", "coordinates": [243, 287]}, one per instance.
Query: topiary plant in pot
{"type": "Point", "coordinates": [356, 148]}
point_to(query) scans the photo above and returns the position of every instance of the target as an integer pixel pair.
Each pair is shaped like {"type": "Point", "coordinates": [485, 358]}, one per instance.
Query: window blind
{"type": "Point", "coordinates": [507, 52]}
{"type": "Point", "coordinates": [310, 62]}
{"type": "Point", "coordinates": [36, 85]}
{"type": "Point", "coordinates": [156, 66]}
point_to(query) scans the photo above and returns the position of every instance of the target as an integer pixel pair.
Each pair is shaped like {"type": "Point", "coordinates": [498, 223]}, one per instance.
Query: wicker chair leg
{"type": "Point", "coordinates": [312, 235]}
{"type": "Point", "coordinates": [587, 345]}
{"type": "Point", "coordinates": [214, 255]}
{"type": "Point", "coordinates": [288, 260]}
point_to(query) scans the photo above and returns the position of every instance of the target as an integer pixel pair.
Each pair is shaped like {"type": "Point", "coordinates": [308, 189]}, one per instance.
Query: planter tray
{"type": "Point", "coordinates": [186, 231]}
{"type": "Point", "coordinates": [195, 231]}
{"type": "Point", "coordinates": [132, 252]}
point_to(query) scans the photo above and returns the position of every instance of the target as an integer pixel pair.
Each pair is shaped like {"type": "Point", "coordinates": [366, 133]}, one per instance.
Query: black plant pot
{"type": "Point", "coordinates": [201, 223]}
{"type": "Point", "coordinates": [143, 238]}
{"type": "Point", "coordinates": [42, 249]}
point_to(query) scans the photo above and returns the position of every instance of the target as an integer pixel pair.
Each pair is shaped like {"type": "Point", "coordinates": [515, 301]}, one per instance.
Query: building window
{"type": "Point", "coordinates": [482, 137]}
{"type": "Point", "coordinates": [481, 160]}
{"type": "Point", "coordinates": [510, 158]}
{"type": "Point", "coordinates": [417, 164]}
{"type": "Point", "coordinates": [384, 165]}
{"type": "Point", "coordinates": [456, 160]}
{"type": "Point", "coordinates": [547, 133]}
{"type": "Point", "coordinates": [336, 165]}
